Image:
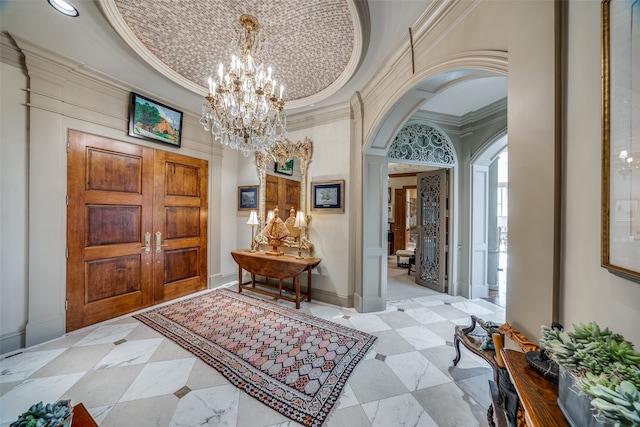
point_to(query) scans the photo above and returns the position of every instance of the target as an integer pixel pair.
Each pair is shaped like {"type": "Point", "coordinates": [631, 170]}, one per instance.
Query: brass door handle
{"type": "Point", "coordinates": [159, 241]}
{"type": "Point", "coordinates": [147, 243]}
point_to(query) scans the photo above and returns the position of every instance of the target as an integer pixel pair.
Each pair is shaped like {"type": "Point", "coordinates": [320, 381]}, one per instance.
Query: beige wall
{"type": "Point", "coordinates": [588, 292]}
{"type": "Point", "coordinates": [14, 159]}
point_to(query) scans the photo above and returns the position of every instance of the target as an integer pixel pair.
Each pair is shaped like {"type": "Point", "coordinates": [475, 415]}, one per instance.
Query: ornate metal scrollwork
{"type": "Point", "coordinates": [422, 143]}
{"type": "Point", "coordinates": [429, 188]}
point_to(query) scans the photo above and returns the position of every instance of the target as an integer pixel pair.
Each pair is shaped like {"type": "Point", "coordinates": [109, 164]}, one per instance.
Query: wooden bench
{"type": "Point", "coordinates": [529, 389]}
{"type": "Point", "coordinates": [472, 337]}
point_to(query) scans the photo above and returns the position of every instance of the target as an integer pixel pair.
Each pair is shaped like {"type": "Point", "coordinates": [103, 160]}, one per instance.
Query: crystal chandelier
{"type": "Point", "coordinates": [242, 109]}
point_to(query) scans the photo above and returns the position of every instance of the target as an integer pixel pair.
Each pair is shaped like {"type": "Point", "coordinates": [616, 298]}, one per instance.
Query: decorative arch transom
{"type": "Point", "coordinates": [422, 143]}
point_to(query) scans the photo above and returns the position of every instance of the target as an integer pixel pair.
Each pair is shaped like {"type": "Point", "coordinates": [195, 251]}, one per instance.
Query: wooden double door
{"type": "Point", "coordinates": [136, 227]}
{"type": "Point", "coordinates": [282, 193]}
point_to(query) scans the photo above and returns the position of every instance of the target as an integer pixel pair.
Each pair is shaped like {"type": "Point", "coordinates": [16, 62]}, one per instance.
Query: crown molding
{"type": "Point", "coordinates": [319, 116]}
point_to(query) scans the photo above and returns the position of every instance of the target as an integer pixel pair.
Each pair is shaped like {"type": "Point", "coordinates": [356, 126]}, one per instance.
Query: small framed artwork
{"type": "Point", "coordinates": [248, 198]}
{"type": "Point", "coordinates": [327, 196]}
{"type": "Point", "coordinates": [390, 212]}
{"type": "Point", "coordinates": [284, 168]}
{"type": "Point", "coordinates": [154, 121]}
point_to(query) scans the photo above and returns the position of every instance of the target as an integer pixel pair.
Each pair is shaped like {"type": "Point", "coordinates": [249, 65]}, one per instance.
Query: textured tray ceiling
{"type": "Point", "coordinates": [314, 46]}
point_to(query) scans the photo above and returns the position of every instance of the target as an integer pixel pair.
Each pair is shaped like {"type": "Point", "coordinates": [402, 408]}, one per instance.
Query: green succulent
{"type": "Point", "coordinates": [41, 415]}
{"type": "Point", "coordinates": [606, 366]}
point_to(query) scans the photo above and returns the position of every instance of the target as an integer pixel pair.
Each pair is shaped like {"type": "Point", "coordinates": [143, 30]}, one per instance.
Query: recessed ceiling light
{"type": "Point", "coordinates": [64, 7]}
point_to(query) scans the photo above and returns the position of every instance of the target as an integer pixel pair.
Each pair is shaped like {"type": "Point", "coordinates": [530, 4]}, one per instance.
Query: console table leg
{"type": "Point", "coordinates": [239, 279]}
{"type": "Point", "coordinates": [309, 284]}
{"type": "Point", "coordinates": [296, 284]}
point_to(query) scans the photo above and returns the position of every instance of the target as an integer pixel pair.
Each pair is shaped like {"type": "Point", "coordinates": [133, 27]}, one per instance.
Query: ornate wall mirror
{"type": "Point", "coordinates": [282, 173]}
{"type": "Point", "coordinates": [621, 140]}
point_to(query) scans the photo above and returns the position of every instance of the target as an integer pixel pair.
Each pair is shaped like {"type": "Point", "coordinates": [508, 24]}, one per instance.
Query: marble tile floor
{"type": "Point", "coordinates": [400, 284]}
{"type": "Point", "coordinates": [127, 374]}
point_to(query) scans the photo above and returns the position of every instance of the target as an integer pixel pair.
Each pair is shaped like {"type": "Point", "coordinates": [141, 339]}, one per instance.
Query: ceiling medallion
{"type": "Point", "coordinates": [242, 110]}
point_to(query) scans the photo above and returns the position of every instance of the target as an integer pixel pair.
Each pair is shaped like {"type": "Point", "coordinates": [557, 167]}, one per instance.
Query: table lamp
{"type": "Point", "coordinates": [269, 216]}
{"type": "Point", "coordinates": [300, 223]}
{"type": "Point", "coordinates": [253, 221]}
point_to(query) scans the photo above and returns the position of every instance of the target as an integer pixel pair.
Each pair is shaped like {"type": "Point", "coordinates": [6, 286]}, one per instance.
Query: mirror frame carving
{"type": "Point", "coordinates": [283, 151]}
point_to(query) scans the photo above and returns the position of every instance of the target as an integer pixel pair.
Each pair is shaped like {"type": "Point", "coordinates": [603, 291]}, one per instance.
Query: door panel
{"type": "Point", "coordinates": [432, 241]}
{"type": "Point", "coordinates": [180, 224]}
{"type": "Point", "coordinates": [112, 224]}
{"type": "Point", "coordinates": [399, 220]}
{"type": "Point", "coordinates": [124, 200]}
{"type": "Point", "coordinates": [479, 232]}
{"type": "Point", "coordinates": [271, 192]}
{"type": "Point", "coordinates": [291, 194]}
{"type": "Point", "coordinates": [112, 277]}
{"type": "Point", "coordinates": [110, 186]}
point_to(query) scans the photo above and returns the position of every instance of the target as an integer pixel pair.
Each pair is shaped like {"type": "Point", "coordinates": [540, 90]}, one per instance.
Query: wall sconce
{"type": "Point", "coordinates": [253, 221]}
{"type": "Point", "coordinates": [301, 223]}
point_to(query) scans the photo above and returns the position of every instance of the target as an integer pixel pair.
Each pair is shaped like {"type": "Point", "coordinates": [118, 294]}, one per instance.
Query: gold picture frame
{"type": "Point", "coordinates": [620, 230]}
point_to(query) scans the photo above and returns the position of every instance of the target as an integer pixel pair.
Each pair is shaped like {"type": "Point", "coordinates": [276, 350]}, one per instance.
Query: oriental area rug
{"type": "Point", "coordinates": [292, 362]}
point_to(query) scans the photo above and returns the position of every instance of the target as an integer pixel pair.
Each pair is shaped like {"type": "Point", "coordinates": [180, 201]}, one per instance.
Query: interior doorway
{"type": "Point", "coordinates": [489, 222]}
{"type": "Point", "coordinates": [407, 243]}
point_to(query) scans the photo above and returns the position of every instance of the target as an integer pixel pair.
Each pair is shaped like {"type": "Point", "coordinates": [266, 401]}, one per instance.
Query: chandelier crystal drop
{"type": "Point", "coordinates": [242, 109]}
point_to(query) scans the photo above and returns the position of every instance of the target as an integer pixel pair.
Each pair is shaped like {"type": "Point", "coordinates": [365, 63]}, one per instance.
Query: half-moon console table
{"type": "Point", "coordinates": [277, 267]}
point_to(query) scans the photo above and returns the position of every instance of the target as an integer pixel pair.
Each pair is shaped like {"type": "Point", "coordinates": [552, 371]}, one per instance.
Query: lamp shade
{"type": "Point", "coordinates": [269, 216]}
{"type": "Point", "coordinates": [301, 221]}
{"type": "Point", "coordinates": [253, 218]}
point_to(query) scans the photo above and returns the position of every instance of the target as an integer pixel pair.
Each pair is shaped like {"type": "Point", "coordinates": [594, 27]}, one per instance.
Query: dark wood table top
{"type": "Point", "coordinates": [275, 266]}
{"type": "Point", "coordinates": [538, 396]}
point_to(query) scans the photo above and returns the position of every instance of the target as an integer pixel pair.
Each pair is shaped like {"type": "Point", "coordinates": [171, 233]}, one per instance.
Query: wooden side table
{"type": "Point", "coordinates": [81, 417]}
{"type": "Point", "coordinates": [277, 267]}
{"type": "Point", "coordinates": [538, 396]}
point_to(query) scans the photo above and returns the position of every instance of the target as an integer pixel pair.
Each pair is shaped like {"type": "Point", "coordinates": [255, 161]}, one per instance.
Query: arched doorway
{"type": "Point", "coordinates": [372, 264]}
{"type": "Point", "coordinates": [427, 156]}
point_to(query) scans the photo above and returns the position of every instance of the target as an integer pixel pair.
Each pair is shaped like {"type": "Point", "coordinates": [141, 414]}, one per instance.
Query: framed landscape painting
{"type": "Point", "coordinates": [284, 168]}
{"type": "Point", "coordinates": [154, 121]}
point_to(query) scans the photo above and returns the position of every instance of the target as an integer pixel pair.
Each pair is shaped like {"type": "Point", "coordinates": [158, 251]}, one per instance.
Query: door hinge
{"type": "Point", "coordinates": [68, 146]}
{"type": "Point", "coordinates": [67, 197]}
{"type": "Point", "coordinates": [66, 305]}
{"type": "Point", "coordinates": [66, 252]}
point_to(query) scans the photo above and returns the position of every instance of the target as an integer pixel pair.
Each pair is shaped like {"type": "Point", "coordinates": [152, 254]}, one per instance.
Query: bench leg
{"type": "Point", "coordinates": [456, 345]}
{"type": "Point", "coordinates": [490, 416]}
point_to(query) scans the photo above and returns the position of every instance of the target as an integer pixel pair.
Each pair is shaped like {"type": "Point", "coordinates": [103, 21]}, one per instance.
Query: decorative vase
{"type": "Point", "coordinates": [575, 405]}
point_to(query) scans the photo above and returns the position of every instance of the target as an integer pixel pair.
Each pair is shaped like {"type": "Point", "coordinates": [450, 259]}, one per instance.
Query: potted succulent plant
{"type": "Point", "coordinates": [58, 414]}
{"type": "Point", "coordinates": [598, 369]}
